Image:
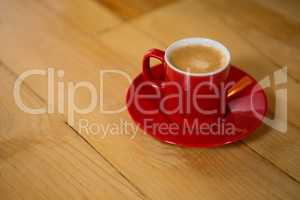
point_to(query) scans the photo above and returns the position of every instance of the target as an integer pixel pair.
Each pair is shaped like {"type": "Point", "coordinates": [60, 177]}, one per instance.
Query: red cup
{"type": "Point", "coordinates": [187, 96]}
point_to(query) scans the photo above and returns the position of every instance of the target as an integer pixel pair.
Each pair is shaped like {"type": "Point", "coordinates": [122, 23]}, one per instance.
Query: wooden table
{"type": "Point", "coordinates": [45, 157]}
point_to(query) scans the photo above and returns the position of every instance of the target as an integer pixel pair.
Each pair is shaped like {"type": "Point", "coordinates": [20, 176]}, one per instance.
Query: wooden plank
{"type": "Point", "coordinates": [86, 15]}
{"type": "Point", "coordinates": [42, 158]}
{"type": "Point", "coordinates": [270, 22]}
{"type": "Point", "coordinates": [202, 21]}
{"type": "Point", "coordinates": [288, 8]}
{"type": "Point", "coordinates": [159, 171]}
{"type": "Point", "coordinates": [130, 9]}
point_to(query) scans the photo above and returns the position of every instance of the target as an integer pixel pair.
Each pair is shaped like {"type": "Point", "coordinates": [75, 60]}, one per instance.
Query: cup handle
{"type": "Point", "coordinates": [151, 53]}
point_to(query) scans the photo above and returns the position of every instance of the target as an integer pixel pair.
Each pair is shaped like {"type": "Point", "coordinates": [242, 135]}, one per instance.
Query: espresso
{"type": "Point", "coordinates": [197, 58]}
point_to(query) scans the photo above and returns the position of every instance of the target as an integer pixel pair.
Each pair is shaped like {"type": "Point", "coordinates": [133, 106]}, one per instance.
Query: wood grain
{"type": "Point", "coordinates": [42, 158]}
{"type": "Point", "coordinates": [86, 15]}
{"type": "Point", "coordinates": [288, 8]}
{"type": "Point", "coordinates": [156, 170]}
{"type": "Point", "coordinates": [129, 9]}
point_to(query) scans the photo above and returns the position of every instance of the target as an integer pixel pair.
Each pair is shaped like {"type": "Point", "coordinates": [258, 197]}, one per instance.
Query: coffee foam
{"type": "Point", "coordinates": [197, 58]}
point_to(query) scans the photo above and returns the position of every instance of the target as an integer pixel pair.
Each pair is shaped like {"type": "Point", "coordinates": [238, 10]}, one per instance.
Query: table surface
{"type": "Point", "coordinates": [45, 157]}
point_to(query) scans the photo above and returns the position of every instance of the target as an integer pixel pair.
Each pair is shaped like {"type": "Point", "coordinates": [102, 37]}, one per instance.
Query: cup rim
{"type": "Point", "coordinates": [198, 41]}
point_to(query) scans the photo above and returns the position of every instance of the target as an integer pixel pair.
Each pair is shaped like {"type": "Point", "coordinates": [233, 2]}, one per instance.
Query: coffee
{"type": "Point", "coordinates": [197, 58]}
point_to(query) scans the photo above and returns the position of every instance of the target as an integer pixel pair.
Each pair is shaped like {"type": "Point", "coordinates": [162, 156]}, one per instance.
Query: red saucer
{"type": "Point", "coordinates": [241, 115]}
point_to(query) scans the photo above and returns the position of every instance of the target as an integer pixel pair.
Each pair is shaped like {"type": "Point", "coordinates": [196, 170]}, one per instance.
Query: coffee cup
{"type": "Point", "coordinates": [191, 94]}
